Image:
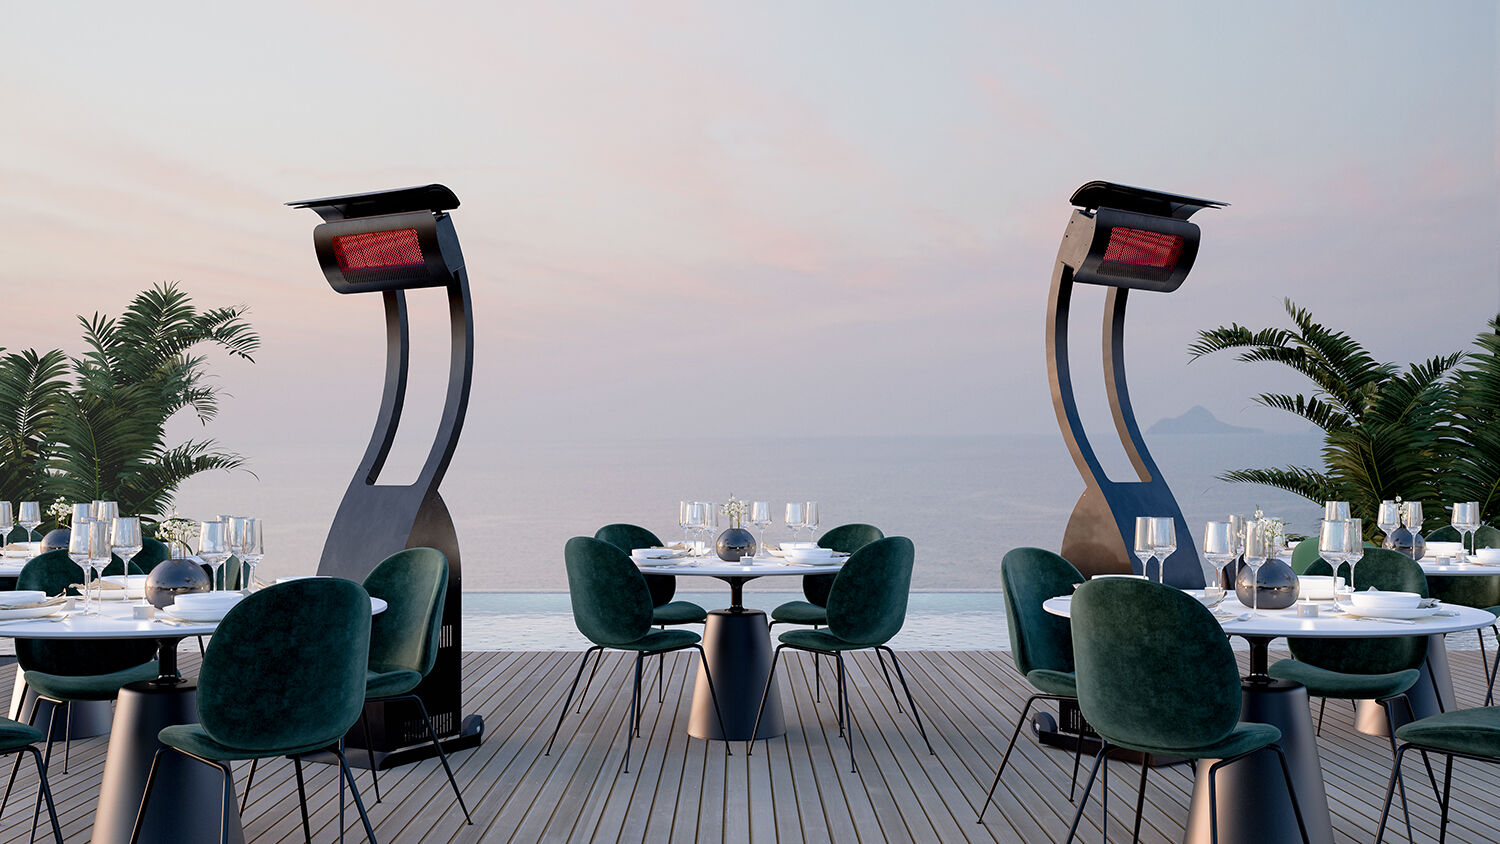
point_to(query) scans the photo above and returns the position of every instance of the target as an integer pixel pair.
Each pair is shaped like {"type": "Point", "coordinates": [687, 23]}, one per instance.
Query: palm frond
{"type": "Point", "coordinates": [1299, 480]}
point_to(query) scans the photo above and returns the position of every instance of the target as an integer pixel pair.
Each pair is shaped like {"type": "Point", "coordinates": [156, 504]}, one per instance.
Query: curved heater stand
{"type": "Point", "coordinates": [374, 521]}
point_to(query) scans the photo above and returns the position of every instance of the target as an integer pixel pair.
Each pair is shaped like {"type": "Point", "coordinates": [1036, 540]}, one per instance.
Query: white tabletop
{"type": "Point", "coordinates": [116, 622]}
{"type": "Point", "coordinates": [1275, 623]}
{"type": "Point", "coordinates": [1431, 566]}
{"type": "Point", "coordinates": [750, 567]}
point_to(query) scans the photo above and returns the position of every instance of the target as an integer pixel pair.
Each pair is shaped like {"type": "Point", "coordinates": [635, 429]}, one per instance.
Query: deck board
{"type": "Point", "coordinates": [797, 788]}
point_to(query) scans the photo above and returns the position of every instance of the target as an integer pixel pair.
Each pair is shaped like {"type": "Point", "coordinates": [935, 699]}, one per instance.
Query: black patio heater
{"type": "Point", "coordinates": [1124, 238]}
{"type": "Point", "coordinates": [390, 242]}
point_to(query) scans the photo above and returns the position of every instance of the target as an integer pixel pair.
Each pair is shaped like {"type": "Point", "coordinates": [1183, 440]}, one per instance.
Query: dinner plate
{"type": "Point", "coordinates": [1395, 612]}
{"type": "Point", "coordinates": [30, 612]}
{"type": "Point", "coordinates": [203, 616]}
{"type": "Point", "coordinates": [656, 562]}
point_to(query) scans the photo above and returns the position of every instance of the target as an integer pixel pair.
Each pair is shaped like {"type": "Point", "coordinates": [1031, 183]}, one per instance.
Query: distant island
{"type": "Point", "coordinates": [1198, 420]}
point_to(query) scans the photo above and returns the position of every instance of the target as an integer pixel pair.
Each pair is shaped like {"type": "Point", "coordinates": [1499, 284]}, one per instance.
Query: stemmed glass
{"type": "Point", "coordinates": [99, 555]}
{"type": "Point", "coordinates": [82, 513]}
{"type": "Point", "coordinates": [1218, 548]}
{"type": "Point", "coordinates": [125, 541]}
{"type": "Point", "coordinates": [683, 509]}
{"type": "Point", "coordinates": [1144, 549]}
{"type": "Point", "coordinates": [710, 524]}
{"type": "Point", "coordinates": [105, 511]}
{"type": "Point", "coordinates": [1163, 542]}
{"type": "Point", "coordinates": [760, 516]}
{"type": "Point", "coordinates": [7, 521]}
{"type": "Point", "coordinates": [31, 516]}
{"type": "Point", "coordinates": [1388, 518]}
{"type": "Point", "coordinates": [796, 517]}
{"type": "Point", "coordinates": [1466, 521]}
{"type": "Point", "coordinates": [237, 545]}
{"type": "Point", "coordinates": [1333, 544]}
{"type": "Point", "coordinates": [1336, 511]}
{"type": "Point", "coordinates": [213, 546]}
{"type": "Point", "coordinates": [253, 548]}
{"type": "Point", "coordinates": [1354, 547]}
{"type": "Point", "coordinates": [810, 518]}
{"type": "Point", "coordinates": [693, 522]}
{"type": "Point", "coordinates": [78, 552]}
{"type": "Point", "coordinates": [1257, 550]}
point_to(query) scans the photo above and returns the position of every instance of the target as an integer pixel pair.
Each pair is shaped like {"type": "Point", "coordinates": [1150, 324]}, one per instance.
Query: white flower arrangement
{"type": "Point", "coordinates": [1274, 528]}
{"type": "Point", "coordinates": [735, 510]}
{"type": "Point", "coordinates": [177, 531]}
{"type": "Point", "coordinates": [60, 512]}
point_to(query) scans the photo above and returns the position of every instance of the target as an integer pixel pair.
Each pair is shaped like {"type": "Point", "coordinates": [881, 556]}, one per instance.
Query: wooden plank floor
{"type": "Point", "coordinates": [796, 789]}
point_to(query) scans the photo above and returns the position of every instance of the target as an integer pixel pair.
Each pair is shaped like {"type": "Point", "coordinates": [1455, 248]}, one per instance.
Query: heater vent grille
{"type": "Point", "coordinates": [1140, 248]}
{"type": "Point", "coordinates": [398, 249]}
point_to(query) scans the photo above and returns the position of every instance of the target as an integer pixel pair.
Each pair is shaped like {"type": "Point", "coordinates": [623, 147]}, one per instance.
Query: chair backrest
{"type": "Point", "coordinates": [1305, 554]}
{"type": "Point", "coordinates": [611, 602]}
{"type": "Point", "coordinates": [414, 585]}
{"type": "Point", "coordinates": [1154, 667]}
{"type": "Point", "coordinates": [1382, 569]}
{"type": "Point", "coordinates": [1485, 537]}
{"type": "Point", "coordinates": [846, 539]}
{"type": "Point", "coordinates": [867, 604]}
{"type": "Point", "coordinates": [1038, 639]}
{"type": "Point", "coordinates": [53, 572]}
{"type": "Point", "coordinates": [286, 667]}
{"type": "Point", "coordinates": [627, 538]}
{"type": "Point", "coordinates": [17, 534]}
{"type": "Point", "coordinates": [153, 553]}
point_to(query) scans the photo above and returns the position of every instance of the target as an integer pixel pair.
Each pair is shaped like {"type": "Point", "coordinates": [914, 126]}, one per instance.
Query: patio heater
{"type": "Point", "coordinates": [1123, 238]}
{"type": "Point", "coordinates": [390, 242]}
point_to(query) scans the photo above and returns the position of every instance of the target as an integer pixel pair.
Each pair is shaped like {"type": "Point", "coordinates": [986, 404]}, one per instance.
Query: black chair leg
{"type": "Point", "coordinates": [630, 722]}
{"type": "Point", "coordinates": [1005, 757]}
{"type": "Point", "coordinates": [1077, 757]}
{"type": "Point", "coordinates": [1321, 707]}
{"type": "Point", "coordinates": [354, 790]}
{"type": "Point", "coordinates": [364, 721]}
{"type": "Point", "coordinates": [713, 695]}
{"type": "Point", "coordinates": [590, 680]}
{"type": "Point", "coordinates": [915, 715]}
{"type": "Point", "coordinates": [1087, 787]}
{"type": "Point", "coordinates": [140, 814]}
{"type": "Point", "coordinates": [1291, 791]}
{"type": "Point", "coordinates": [1443, 802]}
{"type": "Point", "coordinates": [67, 709]}
{"type": "Point", "coordinates": [14, 769]}
{"type": "Point", "coordinates": [249, 780]}
{"type": "Point", "coordinates": [846, 728]}
{"type": "Point", "coordinates": [442, 757]}
{"type": "Point", "coordinates": [1390, 793]}
{"type": "Point", "coordinates": [41, 775]}
{"type": "Point", "coordinates": [885, 671]}
{"type": "Point", "coordinates": [568, 701]}
{"type": "Point", "coordinates": [1391, 727]}
{"type": "Point", "coordinates": [661, 680]}
{"type": "Point", "coordinates": [760, 710]}
{"type": "Point", "coordinates": [1493, 669]}
{"type": "Point", "coordinates": [1140, 799]}
{"type": "Point", "coordinates": [302, 798]}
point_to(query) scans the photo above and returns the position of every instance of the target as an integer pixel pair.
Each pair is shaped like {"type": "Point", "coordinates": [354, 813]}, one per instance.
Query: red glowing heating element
{"type": "Point", "coordinates": [378, 250]}
{"type": "Point", "coordinates": [1140, 248]}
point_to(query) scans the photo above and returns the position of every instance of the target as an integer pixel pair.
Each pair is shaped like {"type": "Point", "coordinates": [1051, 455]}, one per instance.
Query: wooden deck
{"type": "Point", "coordinates": [794, 789]}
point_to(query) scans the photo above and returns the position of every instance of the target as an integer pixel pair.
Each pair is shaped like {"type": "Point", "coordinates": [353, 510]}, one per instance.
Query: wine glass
{"type": "Point", "coordinates": [125, 541]}
{"type": "Point", "coordinates": [1163, 543]}
{"type": "Point", "coordinates": [1257, 551]}
{"type": "Point", "coordinates": [237, 546]}
{"type": "Point", "coordinates": [99, 555]}
{"type": "Point", "coordinates": [1218, 548]}
{"type": "Point", "coordinates": [7, 521]}
{"type": "Point", "coordinates": [253, 548]}
{"type": "Point", "coordinates": [710, 524]}
{"type": "Point", "coordinates": [810, 518]}
{"type": "Point", "coordinates": [82, 513]}
{"type": "Point", "coordinates": [1143, 548]}
{"type": "Point", "coordinates": [31, 516]}
{"type": "Point", "coordinates": [1354, 546]}
{"type": "Point", "coordinates": [105, 511]}
{"type": "Point", "coordinates": [796, 517]}
{"type": "Point", "coordinates": [693, 519]}
{"type": "Point", "coordinates": [1389, 517]}
{"type": "Point", "coordinates": [683, 508]}
{"type": "Point", "coordinates": [1466, 521]}
{"type": "Point", "coordinates": [1333, 544]}
{"type": "Point", "coordinates": [1336, 511]}
{"type": "Point", "coordinates": [760, 516]}
{"type": "Point", "coordinates": [213, 546]}
{"type": "Point", "coordinates": [1412, 518]}
{"type": "Point", "coordinates": [78, 552]}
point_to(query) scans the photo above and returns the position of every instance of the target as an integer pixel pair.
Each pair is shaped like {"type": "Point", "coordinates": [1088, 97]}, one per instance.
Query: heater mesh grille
{"type": "Point", "coordinates": [375, 251]}
{"type": "Point", "coordinates": [1140, 248]}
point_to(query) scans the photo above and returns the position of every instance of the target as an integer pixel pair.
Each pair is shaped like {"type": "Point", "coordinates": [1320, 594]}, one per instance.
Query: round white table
{"type": "Point", "coordinates": [1252, 806]}
{"type": "Point", "coordinates": [141, 711]}
{"type": "Point", "coordinates": [1435, 568]}
{"type": "Point", "coordinates": [737, 645]}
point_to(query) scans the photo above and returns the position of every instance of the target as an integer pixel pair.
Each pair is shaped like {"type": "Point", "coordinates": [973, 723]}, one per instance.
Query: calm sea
{"type": "Point", "coordinates": [964, 501]}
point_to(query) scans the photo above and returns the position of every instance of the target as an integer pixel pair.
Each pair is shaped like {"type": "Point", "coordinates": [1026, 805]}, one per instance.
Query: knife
{"type": "Point", "coordinates": [1387, 620]}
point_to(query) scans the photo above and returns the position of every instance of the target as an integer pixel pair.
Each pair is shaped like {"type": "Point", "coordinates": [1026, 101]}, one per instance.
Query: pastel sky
{"type": "Point", "coordinates": [841, 216]}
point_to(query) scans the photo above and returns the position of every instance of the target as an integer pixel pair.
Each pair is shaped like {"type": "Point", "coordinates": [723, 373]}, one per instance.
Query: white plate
{"type": "Point", "coordinates": [1395, 612]}
{"type": "Point", "coordinates": [30, 612]}
{"type": "Point", "coordinates": [203, 616]}
{"type": "Point", "coordinates": [656, 562]}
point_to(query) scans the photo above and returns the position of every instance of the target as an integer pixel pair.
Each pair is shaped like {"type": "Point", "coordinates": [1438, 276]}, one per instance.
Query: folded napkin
{"type": "Point", "coordinates": [98, 584]}
{"type": "Point", "coordinates": [26, 605]}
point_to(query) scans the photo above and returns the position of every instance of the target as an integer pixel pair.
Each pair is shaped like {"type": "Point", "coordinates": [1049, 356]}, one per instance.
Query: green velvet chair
{"type": "Point", "coordinates": [1382, 669]}
{"type": "Point", "coordinates": [404, 639]}
{"type": "Point", "coordinates": [866, 609]}
{"type": "Point", "coordinates": [19, 739]}
{"type": "Point", "coordinates": [1041, 644]}
{"type": "Point", "coordinates": [612, 608]}
{"type": "Point", "coordinates": [1473, 591]}
{"type": "Point", "coordinates": [1156, 675]}
{"type": "Point", "coordinates": [1463, 733]}
{"type": "Point", "coordinates": [61, 671]}
{"type": "Point", "coordinates": [284, 675]}
{"type": "Point", "coordinates": [845, 539]}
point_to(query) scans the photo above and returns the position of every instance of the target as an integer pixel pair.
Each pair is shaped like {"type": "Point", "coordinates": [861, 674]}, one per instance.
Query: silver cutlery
{"type": "Point", "coordinates": [1388, 620]}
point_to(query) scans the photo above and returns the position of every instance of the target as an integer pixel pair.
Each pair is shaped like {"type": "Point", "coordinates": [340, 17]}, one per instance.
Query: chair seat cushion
{"type": "Point", "coordinates": [1244, 738]}
{"type": "Point", "coordinates": [679, 612]}
{"type": "Point", "coordinates": [800, 612]}
{"type": "Point", "coordinates": [91, 686]}
{"type": "Point", "coordinates": [1051, 682]}
{"type": "Point", "coordinates": [817, 640]}
{"type": "Point", "coordinates": [14, 734]}
{"type": "Point", "coordinates": [662, 640]}
{"type": "Point", "coordinates": [1321, 682]}
{"type": "Point", "coordinates": [1475, 731]}
{"type": "Point", "coordinates": [193, 739]}
{"type": "Point", "coordinates": [397, 681]}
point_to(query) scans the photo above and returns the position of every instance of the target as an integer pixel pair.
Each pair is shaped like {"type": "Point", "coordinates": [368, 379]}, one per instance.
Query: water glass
{"type": "Point", "coordinates": [78, 552]}
{"type": "Point", "coordinates": [810, 518]}
{"type": "Point", "coordinates": [1142, 547]}
{"type": "Point", "coordinates": [1237, 533]}
{"type": "Point", "coordinates": [31, 516]}
{"type": "Point", "coordinates": [1466, 520]}
{"type": "Point", "coordinates": [692, 521]}
{"type": "Point", "coordinates": [1218, 548]}
{"type": "Point", "coordinates": [760, 516]}
{"type": "Point", "coordinates": [7, 521]}
{"type": "Point", "coordinates": [710, 524]}
{"type": "Point", "coordinates": [253, 548]}
{"type": "Point", "coordinates": [1412, 518]}
{"type": "Point", "coordinates": [213, 546]}
{"type": "Point", "coordinates": [1257, 550]}
{"type": "Point", "coordinates": [125, 541]}
{"type": "Point", "coordinates": [1336, 511]}
{"type": "Point", "coordinates": [104, 511]}
{"type": "Point", "coordinates": [1163, 543]}
{"type": "Point", "coordinates": [82, 513]}
{"type": "Point", "coordinates": [99, 554]}
{"type": "Point", "coordinates": [683, 507]}
{"type": "Point", "coordinates": [1333, 543]}
{"type": "Point", "coordinates": [1389, 517]}
{"type": "Point", "coordinates": [796, 517]}
{"type": "Point", "coordinates": [1354, 546]}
